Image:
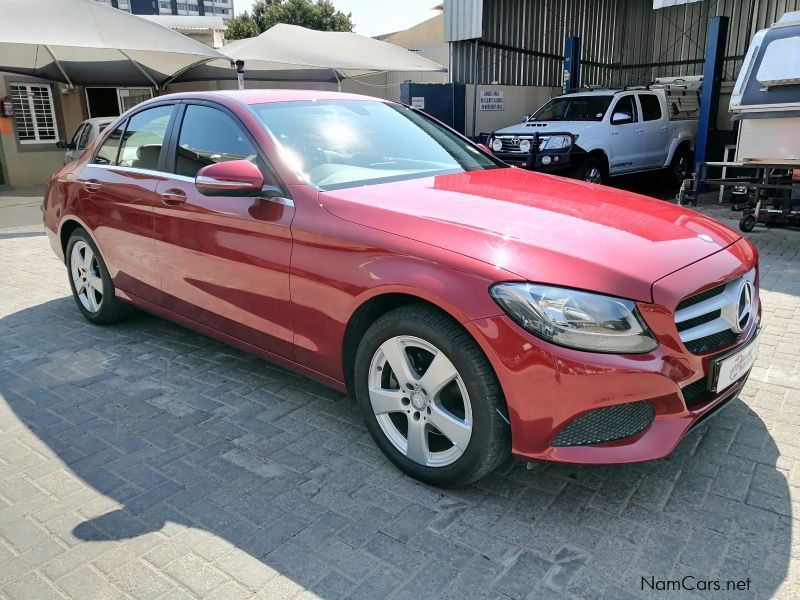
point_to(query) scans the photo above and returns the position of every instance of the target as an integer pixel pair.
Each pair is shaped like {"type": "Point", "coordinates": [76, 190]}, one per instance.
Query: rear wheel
{"type": "Point", "coordinates": [430, 398]}
{"type": "Point", "coordinates": [681, 167]}
{"type": "Point", "coordinates": [90, 281]}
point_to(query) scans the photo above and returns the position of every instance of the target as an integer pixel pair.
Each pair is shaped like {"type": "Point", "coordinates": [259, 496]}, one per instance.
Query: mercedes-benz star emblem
{"type": "Point", "coordinates": [745, 307]}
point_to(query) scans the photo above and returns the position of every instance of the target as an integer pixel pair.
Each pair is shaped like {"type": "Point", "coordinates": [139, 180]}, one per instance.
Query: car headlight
{"type": "Point", "coordinates": [497, 144]}
{"type": "Point", "coordinates": [576, 319]}
{"type": "Point", "coordinates": [525, 146]}
{"type": "Point", "coordinates": [555, 142]}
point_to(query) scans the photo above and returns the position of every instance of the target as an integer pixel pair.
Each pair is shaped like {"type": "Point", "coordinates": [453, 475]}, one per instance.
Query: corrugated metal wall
{"type": "Point", "coordinates": [624, 41]}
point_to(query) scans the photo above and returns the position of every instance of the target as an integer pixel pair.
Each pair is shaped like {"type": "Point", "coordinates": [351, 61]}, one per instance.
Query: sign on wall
{"type": "Point", "coordinates": [490, 100]}
{"type": "Point", "coordinates": [418, 102]}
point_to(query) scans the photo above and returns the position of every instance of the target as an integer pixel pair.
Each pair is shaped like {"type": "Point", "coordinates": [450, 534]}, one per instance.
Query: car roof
{"type": "Point", "coordinates": [101, 120]}
{"type": "Point", "coordinates": [263, 96]}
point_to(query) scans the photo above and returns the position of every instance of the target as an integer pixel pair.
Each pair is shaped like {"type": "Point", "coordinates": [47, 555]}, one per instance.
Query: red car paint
{"type": "Point", "coordinates": [284, 281]}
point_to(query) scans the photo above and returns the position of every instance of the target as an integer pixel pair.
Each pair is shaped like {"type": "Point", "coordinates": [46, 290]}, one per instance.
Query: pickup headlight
{"type": "Point", "coordinates": [555, 142]}
{"type": "Point", "coordinates": [497, 144]}
{"type": "Point", "coordinates": [576, 319]}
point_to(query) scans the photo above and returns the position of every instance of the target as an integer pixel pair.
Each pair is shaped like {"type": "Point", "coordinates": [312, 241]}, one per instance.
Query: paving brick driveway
{"type": "Point", "coordinates": [146, 461]}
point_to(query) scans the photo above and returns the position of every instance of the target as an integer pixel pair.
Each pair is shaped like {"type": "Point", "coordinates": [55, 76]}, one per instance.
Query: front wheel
{"type": "Point", "coordinates": [747, 223]}
{"type": "Point", "coordinates": [429, 397]}
{"type": "Point", "coordinates": [592, 170]}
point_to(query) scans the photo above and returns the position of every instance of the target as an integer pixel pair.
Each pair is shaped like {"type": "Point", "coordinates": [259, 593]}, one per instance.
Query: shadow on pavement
{"type": "Point", "coordinates": [177, 428]}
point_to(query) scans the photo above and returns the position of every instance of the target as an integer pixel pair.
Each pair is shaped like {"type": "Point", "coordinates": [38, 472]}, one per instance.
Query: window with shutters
{"type": "Point", "coordinates": [34, 113]}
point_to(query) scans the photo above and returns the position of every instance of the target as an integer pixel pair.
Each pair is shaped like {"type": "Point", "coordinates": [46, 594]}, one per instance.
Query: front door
{"type": "Point", "coordinates": [118, 194]}
{"type": "Point", "coordinates": [224, 259]}
{"type": "Point", "coordinates": [626, 136]}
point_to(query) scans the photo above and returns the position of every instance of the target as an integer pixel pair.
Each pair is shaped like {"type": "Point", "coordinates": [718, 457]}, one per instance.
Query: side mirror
{"type": "Point", "coordinates": [64, 145]}
{"type": "Point", "coordinates": [621, 118]}
{"type": "Point", "coordinates": [485, 148]}
{"type": "Point", "coordinates": [231, 178]}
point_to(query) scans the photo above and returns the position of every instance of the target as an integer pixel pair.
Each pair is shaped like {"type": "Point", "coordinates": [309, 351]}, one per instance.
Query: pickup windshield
{"type": "Point", "coordinates": [343, 143]}
{"type": "Point", "coordinates": [578, 108]}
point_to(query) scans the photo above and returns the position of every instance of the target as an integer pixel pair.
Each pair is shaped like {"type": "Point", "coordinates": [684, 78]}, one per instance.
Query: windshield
{"type": "Point", "coordinates": [344, 143]}
{"type": "Point", "coordinates": [578, 108]}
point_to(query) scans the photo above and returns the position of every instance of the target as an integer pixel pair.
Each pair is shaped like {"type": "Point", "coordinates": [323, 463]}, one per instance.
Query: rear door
{"type": "Point", "coordinates": [655, 131]}
{"type": "Point", "coordinates": [224, 259]}
{"type": "Point", "coordinates": [626, 136]}
{"type": "Point", "coordinates": [117, 191]}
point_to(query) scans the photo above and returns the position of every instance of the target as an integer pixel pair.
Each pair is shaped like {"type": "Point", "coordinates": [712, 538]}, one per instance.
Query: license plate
{"type": "Point", "coordinates": [729, 369]}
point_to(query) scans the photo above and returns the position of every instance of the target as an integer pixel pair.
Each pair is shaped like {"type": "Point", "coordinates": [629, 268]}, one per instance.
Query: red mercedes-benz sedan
{"type": "Point", "coordinates": [473, 309]}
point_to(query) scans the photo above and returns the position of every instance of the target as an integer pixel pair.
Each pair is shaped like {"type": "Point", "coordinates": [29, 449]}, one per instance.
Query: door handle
{"type": "Point", "coordinates": [92, 186]}
{"type": "Point", "coordinates": [173, 197]}
{"type": "Point", "coordinates": [663, 128]}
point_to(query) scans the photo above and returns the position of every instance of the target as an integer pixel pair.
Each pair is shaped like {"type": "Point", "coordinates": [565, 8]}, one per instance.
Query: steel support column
{"type": "Point", "coordinates": [712, 78]}
{"type": "Point", "coordinates": [572, 64]}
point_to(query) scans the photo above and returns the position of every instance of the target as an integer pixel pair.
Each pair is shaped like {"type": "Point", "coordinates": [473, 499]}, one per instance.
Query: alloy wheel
{"type": "Point", "coordinates": [593, 175]}
{"type": "Point", "coordinates": [86, 277]}
{"type": "Point", "coordinates": [420, 401]}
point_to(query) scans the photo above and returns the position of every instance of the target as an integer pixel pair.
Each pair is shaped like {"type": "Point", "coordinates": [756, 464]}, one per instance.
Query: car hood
{"type": "Point", "coordinates": [540, 227]}
{"type": "Point", "coordinates": [546, 127]}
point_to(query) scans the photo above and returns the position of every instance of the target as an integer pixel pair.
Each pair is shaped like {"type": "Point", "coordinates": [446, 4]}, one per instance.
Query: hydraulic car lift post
{"type": "Point", "coordinates": [572, 64]}
{"type": "Point", "coordinates": [712, 79]}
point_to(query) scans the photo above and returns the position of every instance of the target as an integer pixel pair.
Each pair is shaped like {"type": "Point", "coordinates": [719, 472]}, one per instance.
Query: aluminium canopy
{"type": "Point", "coordinates": [312, 55]}
{"type": "Point", "coordinates": [83, 42]}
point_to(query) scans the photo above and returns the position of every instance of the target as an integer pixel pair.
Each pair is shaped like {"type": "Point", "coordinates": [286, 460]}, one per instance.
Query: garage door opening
{"type": "Point", "coordinates": [113, 101]}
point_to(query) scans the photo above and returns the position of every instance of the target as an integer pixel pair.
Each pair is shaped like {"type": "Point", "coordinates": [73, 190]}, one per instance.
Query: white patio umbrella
{"type": "Point", "coordinates": [312, 55]}
{"type": "Point", "coordinates": [84, 42]}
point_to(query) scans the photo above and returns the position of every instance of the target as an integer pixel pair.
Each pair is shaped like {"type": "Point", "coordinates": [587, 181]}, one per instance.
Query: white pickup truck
{"type": "Point", "coordinates": [602, 133]}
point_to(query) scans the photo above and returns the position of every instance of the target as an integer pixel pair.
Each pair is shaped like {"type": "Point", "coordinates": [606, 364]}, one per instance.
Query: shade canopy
{"type": "Point", "coordinates": [312, 55]}
{"type": "Point", "coordinates": [83, 42]}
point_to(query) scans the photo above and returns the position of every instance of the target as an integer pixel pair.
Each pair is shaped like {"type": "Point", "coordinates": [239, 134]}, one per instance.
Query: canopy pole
{"type": "Point", "coordinates": [141, 70]}
{"type": "Point", "coordinates": [238, 64]}
{"type": "Point", "coordinates": [58, 64]}
{"type": "Point", "coordinates": [338, 80]}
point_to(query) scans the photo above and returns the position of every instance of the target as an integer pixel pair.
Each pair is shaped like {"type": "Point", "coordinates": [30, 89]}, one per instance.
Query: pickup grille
{"type": "Point", "coordinates": [716, 317]}
{"type": "Point", "coordinates": [511, 142]}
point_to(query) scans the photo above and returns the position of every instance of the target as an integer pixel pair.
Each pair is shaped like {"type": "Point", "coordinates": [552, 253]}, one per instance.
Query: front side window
{"type": "Point", "coordinates": [79, 134]}
{"type": "Point", "coordinates": [144, 137]}
{"type": "Point", "coordinates": [107, 154]}
{"type": "Point", "coordinates": [342, 143]}
{"type": "Point", "coordinates": [84, 139]}
{"type": "Point", "coordinates": [651, 107]}
{"type": "Point", "coordinates": [627, 107]}
{"type": "Point", "coordinates": [210, 136]}
{"type": "Point", "coordinates": [576, 108]}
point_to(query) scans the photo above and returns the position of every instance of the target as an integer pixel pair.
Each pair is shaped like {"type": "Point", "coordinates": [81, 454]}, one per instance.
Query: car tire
{"type": "Point", "coordinates": [747, 223]}
{"type": "Point", "coordinates": [681, 166]}
{"type": "Point", "coordinates": [593, 170]}
{"type": "Point", "coordinates": [459, 430]}
{"type": "Point", "coordinates": [91, 284]}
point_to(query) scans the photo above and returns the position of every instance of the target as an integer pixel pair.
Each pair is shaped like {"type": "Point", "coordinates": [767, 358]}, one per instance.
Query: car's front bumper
{"type": "Point", "coordinates": [555, 161]}
{"type": "Point", "coordinates": [548, 387]}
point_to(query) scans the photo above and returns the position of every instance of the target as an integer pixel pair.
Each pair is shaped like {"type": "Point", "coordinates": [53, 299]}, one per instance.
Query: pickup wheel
{"type": "Point", "coordinates": [592, 170]}
{"type": "Point", "coordinates": [681, 166]}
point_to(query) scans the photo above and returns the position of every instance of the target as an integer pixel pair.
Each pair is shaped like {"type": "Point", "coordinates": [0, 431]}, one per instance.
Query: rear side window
{"type": "Point", "coordinates": [144, 138]}
{"type": "Point", "coordinates": [107, 155]}
{"type": "Point", "coordinates": [210, 136]}
{"type": "Point", "coordinates": [651, 107]}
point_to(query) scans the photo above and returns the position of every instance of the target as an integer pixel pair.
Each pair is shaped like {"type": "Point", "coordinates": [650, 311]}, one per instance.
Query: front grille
{"type": "Point", "coordinates": [714, 318]}
{"type": "Point", "coordinates": [511, 143]}
{"type": "Point", "coordinates": [607, 424]}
